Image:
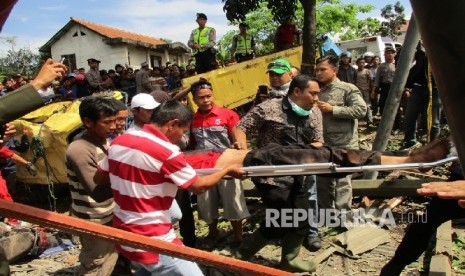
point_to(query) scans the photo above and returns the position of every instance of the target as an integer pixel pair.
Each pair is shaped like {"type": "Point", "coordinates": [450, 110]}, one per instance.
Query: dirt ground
{"type": "Point", "coordinates": [368, 263]}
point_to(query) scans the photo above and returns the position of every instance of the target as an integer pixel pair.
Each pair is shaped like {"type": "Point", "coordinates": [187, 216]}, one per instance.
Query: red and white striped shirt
{"type": "Point", "coordinates": [145, 171]}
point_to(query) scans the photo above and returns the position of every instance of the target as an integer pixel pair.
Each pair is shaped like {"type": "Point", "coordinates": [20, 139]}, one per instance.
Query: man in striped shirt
{"type": "Point", "coordinates": [90, 201]}
{"type": "Point", "coordinates": [146, 169]}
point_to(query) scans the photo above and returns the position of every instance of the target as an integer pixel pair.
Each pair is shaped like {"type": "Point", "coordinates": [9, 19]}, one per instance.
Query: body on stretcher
{"type": "Point", "coordinates": [327, 168]}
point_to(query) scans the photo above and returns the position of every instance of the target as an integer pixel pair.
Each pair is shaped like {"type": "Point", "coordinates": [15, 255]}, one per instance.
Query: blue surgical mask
{"type": "Point", "coordinates": [299, 110]}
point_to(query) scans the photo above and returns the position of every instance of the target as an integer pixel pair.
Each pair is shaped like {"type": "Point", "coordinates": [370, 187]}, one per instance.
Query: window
{"type": "Point", "coordinates": [155, 61]}
{"type": "Point", "coordinates": [70, 62]}
{"type": "Point", "coordinates": [76, 33]}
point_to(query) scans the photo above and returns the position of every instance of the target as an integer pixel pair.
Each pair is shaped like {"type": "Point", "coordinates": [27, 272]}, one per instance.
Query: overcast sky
{"type": "Point", "coordinates": [34, 22]}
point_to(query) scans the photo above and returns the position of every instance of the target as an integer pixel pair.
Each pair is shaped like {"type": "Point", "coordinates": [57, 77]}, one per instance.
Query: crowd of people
{"type": "Point", "coordinates": [374, 80]}
{"type": "Point", "coordinates": [81, 82]}
{"type": "Point", "coordinates": [141, 177]}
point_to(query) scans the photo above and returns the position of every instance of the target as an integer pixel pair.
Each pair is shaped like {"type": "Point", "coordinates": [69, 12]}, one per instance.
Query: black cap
{"type": "Point", "coordinates": [201, 15]}
{"type": "Point", "coordinates": [69, 77]}
{"type": "Point", "coordinates": [243, 24]}
{"type": "Point", "coordinates": [390, 49]}
{"type": "Point", "coordinates": [93, 60]}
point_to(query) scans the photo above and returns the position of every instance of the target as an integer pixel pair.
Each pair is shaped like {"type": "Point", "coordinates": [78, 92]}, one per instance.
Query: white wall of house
{"type": "Point", "coordinates": [179, 59]}
{"type": "Point", "coordinates": [136, 55]}
{"type": "Point", "coordinates": [86, 46]}
{"type": "Point", "coordinates": [91, 45]}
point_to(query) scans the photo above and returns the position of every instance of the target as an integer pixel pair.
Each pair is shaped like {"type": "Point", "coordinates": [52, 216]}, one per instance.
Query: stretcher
{"type": "Point", "coordinates": [328, 168]}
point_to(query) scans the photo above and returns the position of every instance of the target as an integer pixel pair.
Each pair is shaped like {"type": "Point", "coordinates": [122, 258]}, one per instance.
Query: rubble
{"type": "Point", "coordinates": [362, 239]}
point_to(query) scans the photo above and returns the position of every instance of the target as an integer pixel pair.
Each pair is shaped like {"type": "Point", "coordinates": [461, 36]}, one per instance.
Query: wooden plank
{"type": "Point", "coordinates": [83, 227]}
{"type": "Point", "coordinates": [393, 202]}
{"type": "Point", "coordinates": [367, 202]}
{"type": "Point", "coordinates": [444, 239]}
{"type": "Point", "coordinates": [380, 187]}
{"type": "Point", "coordinates": [440, 266]}
{"type": "Point", "coordinates": [324, 255]}
{"type": "Point", "coordinates": [420, 175]}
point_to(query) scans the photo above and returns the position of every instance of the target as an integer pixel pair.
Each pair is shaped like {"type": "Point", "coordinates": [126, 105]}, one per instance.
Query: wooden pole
{"type": "Point", "coordinates": [395, 92]}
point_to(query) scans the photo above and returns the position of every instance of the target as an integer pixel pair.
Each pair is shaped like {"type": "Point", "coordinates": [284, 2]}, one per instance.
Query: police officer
{"type": "Point", "coordinates": [93, 75]}
{"type": "Point", "coordinates": [202, 41]}
{"type": "Point", "coordinates": [368, 57]}
{"type": "Point", "coordinates": [346, 72]}
{"type": "Point", "coordinates": [243, 45]}
{"type": "Point", "coordinates": [342, 105]}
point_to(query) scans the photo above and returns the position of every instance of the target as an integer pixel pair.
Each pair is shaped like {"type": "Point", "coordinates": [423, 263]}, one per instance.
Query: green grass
{"type": "Point", "coordinates": [458, 262]}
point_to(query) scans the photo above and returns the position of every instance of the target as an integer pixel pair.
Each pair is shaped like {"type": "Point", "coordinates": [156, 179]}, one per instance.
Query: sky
{"type": "Point", "coordinates": [32, 23]}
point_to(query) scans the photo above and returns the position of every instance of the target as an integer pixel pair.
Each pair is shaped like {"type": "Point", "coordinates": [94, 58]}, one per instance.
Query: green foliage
{"type": "Point", "coordinates": [263, 17]}
{"type": "Point", "coordinates": [261, 27]}
{"type": "Point", "coordinates": [22, 61]}
{"type": "Point", "coordinates": [458, 263]}
{"type": "Point", "coordinates": [236, 10]}
{"type": "Point", "coordinates": [368, 27]}
{"type": "Point", "coordinates": [395, 18]}
{"type": "Point", "coordinates": [334, 17]}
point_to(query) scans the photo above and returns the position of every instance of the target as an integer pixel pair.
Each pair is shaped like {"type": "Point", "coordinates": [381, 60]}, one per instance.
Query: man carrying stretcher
{"type": "Point", "coordinates": [145, 170]}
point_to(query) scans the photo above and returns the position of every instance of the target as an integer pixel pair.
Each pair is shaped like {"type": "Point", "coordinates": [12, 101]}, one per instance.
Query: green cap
{"type": "Point", "coordinates": [279, 66]}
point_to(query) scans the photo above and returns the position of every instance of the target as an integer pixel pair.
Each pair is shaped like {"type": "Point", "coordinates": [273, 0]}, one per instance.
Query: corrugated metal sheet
{"type": "Point", "coordinates": [361, 239]}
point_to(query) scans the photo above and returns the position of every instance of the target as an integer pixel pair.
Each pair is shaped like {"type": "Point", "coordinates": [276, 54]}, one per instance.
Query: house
{"type": "Point", "coordinates": [403, 31]}
{"type": "Point", "coordinates": [80, 40]}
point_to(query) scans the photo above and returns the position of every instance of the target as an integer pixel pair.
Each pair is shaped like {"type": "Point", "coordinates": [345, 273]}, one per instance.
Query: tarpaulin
{"type": "Point", "coordinates": [48, 129]}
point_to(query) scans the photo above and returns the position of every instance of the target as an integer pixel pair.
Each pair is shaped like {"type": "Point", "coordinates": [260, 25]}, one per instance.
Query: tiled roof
{"type": "Point", "coordinates": [113, 35]}
{"type": "Point", "coordinates": [111, 32]}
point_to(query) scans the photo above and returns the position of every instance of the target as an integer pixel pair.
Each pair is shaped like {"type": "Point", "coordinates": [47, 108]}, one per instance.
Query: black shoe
{"type": "Point", "coordinates": [391, 269]}
{"type": "Point", "coordinates": [312, 244]}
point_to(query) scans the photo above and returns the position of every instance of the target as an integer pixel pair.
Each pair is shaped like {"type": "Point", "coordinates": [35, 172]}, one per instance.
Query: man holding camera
{"type": "Point", "coordinates": [202, 41]}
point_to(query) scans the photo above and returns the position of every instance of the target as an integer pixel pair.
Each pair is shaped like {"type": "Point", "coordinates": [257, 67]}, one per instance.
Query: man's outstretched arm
{"type": "Point", "coordinates": [26, 98]}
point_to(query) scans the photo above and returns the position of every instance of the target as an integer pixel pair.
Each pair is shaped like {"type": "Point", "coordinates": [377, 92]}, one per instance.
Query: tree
{"type": "Point", "coordinates": [395, 18]}
{"type": "Point", "coordinates": [333, 17]}
{"type": "Point", "coordinates": [261, 27]}
{"type": "Point", "coordinates": [22, 61]}
{"type": "Point", "coordinates": [336, 18]}
{"type": "Point", "coordinates": [367, 27]}
{"type": "Point", "coordinates": [236, 10]}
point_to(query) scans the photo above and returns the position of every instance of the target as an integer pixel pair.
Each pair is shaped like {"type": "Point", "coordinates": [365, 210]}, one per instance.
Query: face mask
{"type": "Point", "coordinates": [299, 110]}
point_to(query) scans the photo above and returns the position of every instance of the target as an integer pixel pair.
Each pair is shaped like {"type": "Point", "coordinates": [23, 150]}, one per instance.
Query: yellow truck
{"type": "Point", "coordinates": [236, 85]}
{"type": "Point", "coordinates": [50, 126]}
